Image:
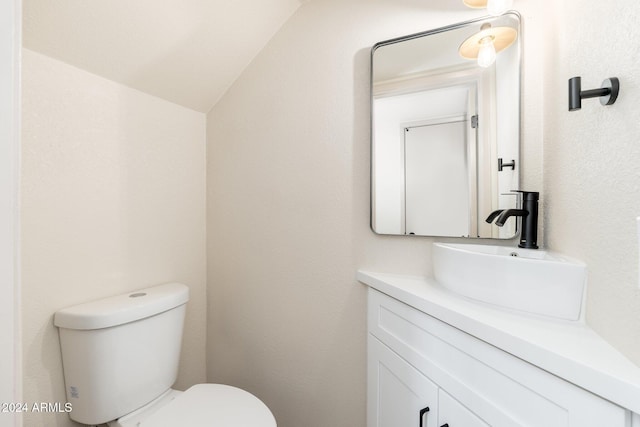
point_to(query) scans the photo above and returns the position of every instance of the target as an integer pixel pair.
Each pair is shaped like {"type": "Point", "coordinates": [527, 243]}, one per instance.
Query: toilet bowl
{"type": "Point", "coordinates": [120, 358]}
{"type": "Point", "coordinates": [202, 405]}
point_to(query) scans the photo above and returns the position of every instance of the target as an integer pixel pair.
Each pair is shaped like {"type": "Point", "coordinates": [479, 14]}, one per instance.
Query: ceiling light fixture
{"type": "Point", "coordinates": [484, 45]}
{"type": "Point", "coordinates": [494, 7]}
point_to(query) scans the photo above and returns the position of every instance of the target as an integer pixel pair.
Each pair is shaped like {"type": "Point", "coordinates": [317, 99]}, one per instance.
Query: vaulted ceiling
{"type": "Point", "coordinates": [185, 51]}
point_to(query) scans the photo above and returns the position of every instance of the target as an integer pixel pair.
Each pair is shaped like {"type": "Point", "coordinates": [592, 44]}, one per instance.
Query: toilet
{"type": "Point", "coordinates": [120, 358]}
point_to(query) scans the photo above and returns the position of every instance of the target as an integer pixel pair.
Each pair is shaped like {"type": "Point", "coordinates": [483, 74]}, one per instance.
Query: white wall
{"type": "Point", "coordinates": [10, 370]}
{"type": "Point", "coordinates": [591, 158]}
{"type": "Point", "coordinates": [288, 207]}
{"type": "Point", "coordinates": [113, 199]}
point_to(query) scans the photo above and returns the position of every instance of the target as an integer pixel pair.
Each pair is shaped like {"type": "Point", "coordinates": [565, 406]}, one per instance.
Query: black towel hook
{"type": "Point", "coordinates": [608, 92]}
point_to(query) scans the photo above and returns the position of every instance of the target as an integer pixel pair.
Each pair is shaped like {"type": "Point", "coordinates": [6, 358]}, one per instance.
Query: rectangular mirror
{"type": "Point", "coordinates": [445, 134]}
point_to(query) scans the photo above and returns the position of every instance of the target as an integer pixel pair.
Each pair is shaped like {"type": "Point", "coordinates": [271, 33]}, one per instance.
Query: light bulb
{"type": "Point", "coordinates": [498, 7]}
{"type": "Point", "coordinates": [487, 52]}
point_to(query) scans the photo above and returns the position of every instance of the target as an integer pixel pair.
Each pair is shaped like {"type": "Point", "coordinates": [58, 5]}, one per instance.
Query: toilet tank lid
{"type": "Point", "coordinates": [121, 309]}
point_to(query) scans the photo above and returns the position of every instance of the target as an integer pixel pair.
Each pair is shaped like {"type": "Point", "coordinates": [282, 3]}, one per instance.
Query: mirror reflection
{"type": "Point", "coordinates": [446, 129]}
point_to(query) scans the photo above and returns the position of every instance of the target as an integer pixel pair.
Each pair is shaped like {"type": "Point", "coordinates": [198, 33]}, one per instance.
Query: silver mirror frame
{"type": "Point", "coordinates": [460, 25]}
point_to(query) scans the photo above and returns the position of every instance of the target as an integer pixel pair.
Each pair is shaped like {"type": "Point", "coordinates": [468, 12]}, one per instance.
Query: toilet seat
{"type": "Point", "coordinates": [212, 405]}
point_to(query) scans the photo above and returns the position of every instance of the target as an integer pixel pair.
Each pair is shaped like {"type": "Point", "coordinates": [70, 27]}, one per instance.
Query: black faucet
{"type": "Point", "coordinates": [529, 214]}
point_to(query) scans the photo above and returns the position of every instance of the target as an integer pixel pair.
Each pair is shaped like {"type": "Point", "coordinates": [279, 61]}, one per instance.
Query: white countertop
{"type": "Point", "coordinates": [570, 350]}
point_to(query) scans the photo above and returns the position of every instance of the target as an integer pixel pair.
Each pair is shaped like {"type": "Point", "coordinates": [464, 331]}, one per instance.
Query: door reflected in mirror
{"type": "Point", "coordinates": [441, 127]}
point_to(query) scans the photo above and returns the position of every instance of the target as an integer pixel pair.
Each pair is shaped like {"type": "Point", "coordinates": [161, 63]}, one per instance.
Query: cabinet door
{"type": "Point", "coordinates": [397, 392]}
{"type": "Point", "coordinates": [453, 414]}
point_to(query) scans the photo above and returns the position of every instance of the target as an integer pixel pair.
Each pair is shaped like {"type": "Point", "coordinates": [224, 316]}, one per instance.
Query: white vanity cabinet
{"type": "Point", "coordinates": [416, 361]}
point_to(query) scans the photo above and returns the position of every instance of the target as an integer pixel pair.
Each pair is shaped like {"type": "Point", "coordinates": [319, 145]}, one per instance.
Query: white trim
{"type": "Point", "coordinates": [416, 82]}
{"type": "Point", "coordinates": [10, 344]}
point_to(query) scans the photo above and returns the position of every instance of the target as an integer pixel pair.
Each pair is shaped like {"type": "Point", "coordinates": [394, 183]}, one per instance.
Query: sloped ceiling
{"type": "Point", "coordinates": [185, 51]}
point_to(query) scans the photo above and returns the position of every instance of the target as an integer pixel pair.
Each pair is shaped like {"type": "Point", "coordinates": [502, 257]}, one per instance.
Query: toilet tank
{"type": "Point", "coordinates": [120, 353]}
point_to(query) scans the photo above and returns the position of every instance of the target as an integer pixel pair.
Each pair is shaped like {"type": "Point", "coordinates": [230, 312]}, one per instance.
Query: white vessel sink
{"type": "Point", "coordinates": [530, 280]}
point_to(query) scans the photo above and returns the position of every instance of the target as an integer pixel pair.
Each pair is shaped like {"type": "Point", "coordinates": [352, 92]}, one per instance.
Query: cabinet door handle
{"type": "Point", "coordinates": [422, 412]}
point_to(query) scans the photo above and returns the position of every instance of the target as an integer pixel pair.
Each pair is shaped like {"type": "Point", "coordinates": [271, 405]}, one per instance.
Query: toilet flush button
{"type": "Point", "coordinates": [137, 294]}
